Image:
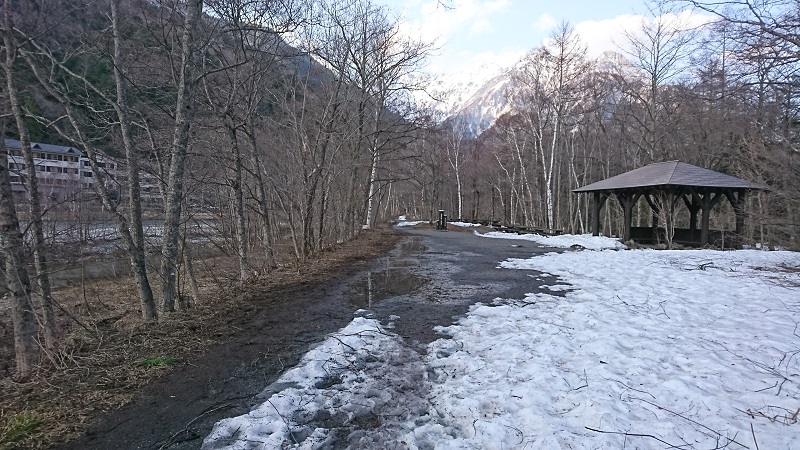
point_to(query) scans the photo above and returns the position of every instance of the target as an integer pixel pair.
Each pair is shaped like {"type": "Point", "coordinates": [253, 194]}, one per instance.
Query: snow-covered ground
{"type": "Point", "coordinates": [563, 241]}
{"type": "Point", "coordinates": [633, 349]}
{"type": "Point", "coordinates": [402, 222]}
{"type": "Point", "coordinates": [464, 224]}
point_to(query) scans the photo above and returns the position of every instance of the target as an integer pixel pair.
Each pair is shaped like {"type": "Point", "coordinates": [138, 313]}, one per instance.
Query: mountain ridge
{"type": "Point", "coordinates": [479, 111]}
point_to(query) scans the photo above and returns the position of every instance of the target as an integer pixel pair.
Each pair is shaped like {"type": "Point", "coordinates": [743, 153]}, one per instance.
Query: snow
{"type": "Point", "coordinates": [409, 223]}
{"type": "Point", "coordinates": [402, 222]}
{"type": "Point", "coordinates": [643, 342]}
{"type": "Point", "coordinates": [634, 348]}
{"type": "Point", "coordinates": [586, 241]}
{"type": "Point", "coordinates": [354, 374]}
{"type": "Point", "coordinates": [464, 224]}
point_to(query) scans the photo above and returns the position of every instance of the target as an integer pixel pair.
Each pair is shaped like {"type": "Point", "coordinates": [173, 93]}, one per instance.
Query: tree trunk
{"type": "Point", "coordinates": [137, 250]}
{"type": "Point", "coordinates": [238, 193]}
{"type": "Point", "coordinates": [373, 175]}
{"type": "Point", "coordinates": [180, 144]}
{"type": "Point", "coordinates": [261, 197]}
{"type": "Point", "coordinates": [188, 266]}
{"type": "Point", "coordinates": [34, 200]}
{"type": "Point", "coordinates": [19, 286]}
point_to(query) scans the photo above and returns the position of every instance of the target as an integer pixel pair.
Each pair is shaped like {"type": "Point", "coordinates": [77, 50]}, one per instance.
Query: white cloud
{"type": "Point", "coordinates": [610, 35]}
{"type": "Point", "coordinates": [545, 23]}
{"type": "Point", "coordinates": [606, 35]}
{"type": "Point", "coordinates": [475, 66]}
{"type": "Point", "coordinates": [481, 26]}
{"type": "Point", "coordinates": [433, 22]}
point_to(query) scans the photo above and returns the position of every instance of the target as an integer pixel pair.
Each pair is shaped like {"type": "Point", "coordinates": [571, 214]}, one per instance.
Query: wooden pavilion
{"type": "Point", "coordinates": [664, 185]}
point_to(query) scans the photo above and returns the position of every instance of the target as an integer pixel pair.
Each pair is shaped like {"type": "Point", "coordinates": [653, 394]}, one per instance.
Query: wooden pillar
{"type": "Point", "coordinates": [627, 200]}
{"type": "Point", "coordinates": [669, 217]}
{"type": "Point", "coordinates": [693, 206]}
{"type": "Point", "coordinates": [706, 201]}
{"type": "Point", "coordinates": [599, 199]}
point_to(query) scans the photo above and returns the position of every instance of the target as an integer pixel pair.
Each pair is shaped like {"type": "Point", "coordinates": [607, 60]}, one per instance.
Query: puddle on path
{"type": "Point", "coordinates": [383, 284]}
{"type": "Point", "coordinates": [413, 244]}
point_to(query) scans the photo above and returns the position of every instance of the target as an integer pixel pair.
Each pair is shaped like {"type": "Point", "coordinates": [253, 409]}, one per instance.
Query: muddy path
{"type": "Point", "coordinates": [429, 279]}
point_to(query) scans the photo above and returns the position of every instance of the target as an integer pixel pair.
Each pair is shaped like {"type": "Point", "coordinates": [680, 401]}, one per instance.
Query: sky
{"type": "Point", "coordinates": [481, 35]}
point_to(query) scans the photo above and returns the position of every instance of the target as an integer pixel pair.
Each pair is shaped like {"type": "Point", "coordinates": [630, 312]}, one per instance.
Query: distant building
{"type": "Point", "coordinates": [61, 171]}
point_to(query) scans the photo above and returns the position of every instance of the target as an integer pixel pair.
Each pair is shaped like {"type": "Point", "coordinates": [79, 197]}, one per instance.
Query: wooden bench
{"type": "Point", "coordinates": [522, 229]}
{"type": "Point", "coordinates": [552, 231]}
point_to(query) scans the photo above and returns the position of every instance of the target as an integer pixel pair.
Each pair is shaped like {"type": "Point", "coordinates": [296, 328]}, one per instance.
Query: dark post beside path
{"type": "Point", "coordinates": [441, 224]}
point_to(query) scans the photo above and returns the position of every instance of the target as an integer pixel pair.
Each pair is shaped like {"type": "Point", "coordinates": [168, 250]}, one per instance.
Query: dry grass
{"type": "Point", "coordinates": [113, 353]}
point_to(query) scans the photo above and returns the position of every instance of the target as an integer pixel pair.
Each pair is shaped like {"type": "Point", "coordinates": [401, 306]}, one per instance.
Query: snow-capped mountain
{"type": "Point", "coordinates": [479, 111]}
{"type": "Point", "coordinates": [615, 63]}
{"type": "Point", "coordinates": [475, 110]}
{"type": "Point", "coordinates": [452, 92]}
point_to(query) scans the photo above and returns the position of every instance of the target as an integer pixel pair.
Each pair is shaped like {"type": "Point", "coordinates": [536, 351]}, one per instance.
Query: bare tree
{"type": "Point", "coordinates": [35, 213]}
{"type": "Point", "coordinates": [186, 86]}
{"type": "Point", "coordinates": [660, 49]}
{"type": "Point", "coordinates": [378, 60]}
{"type": "Point", "coordinates": [16, 274]}
{"type": "Point", "coordinates": [48, 65]}
{"type": "Point", "coordinates": [455, 154]}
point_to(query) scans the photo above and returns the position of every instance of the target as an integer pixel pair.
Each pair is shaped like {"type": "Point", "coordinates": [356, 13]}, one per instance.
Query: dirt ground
{"type": "Point", "coordinates": [230, 349]}
{"type": "Point", "coordinates": [120, 362]}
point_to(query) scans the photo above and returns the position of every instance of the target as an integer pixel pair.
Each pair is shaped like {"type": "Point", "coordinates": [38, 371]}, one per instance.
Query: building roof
{"type": "Point", "coordinates": [49, 148]}
{"type": "Point", "coordinates": [671, 174]}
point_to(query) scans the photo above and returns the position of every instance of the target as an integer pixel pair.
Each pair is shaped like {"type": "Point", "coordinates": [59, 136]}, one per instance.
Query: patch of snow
{"type": "Point", "coordinates": [409, 223]}
{"type": "Point", "coordinates": [340, 394]}
{"type": "Point", "coordinates": [562, 241]}
{"type": "Point", "coordinates": [464, 224]}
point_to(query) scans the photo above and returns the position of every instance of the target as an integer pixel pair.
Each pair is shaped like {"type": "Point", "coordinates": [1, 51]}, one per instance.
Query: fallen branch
{"type": "Point", "coordinates": [171, 439]}
{"type": "Point", "coordinates": [625, 433]}
{"type": "Point", "coordinates": [286, 422]}
{"type": "Point", "coordinates": [715, 432]}
{"type": "Point", "coordinates": [585, 381]}
{"type": "Point", "coordinates": [631, 388]}
{"type": "Point", "coordinates": [754, 436]}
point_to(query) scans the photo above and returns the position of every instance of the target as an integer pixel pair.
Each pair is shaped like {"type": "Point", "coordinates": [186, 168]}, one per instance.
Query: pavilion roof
{"type": "Point", "coordinates": [671, 174]}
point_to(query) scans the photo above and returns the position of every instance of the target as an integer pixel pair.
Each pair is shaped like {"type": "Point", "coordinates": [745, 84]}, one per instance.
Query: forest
{"type": "Point", "coordinates": [719, 95]}
{"type": "Point", "coordinates": [263, 132]}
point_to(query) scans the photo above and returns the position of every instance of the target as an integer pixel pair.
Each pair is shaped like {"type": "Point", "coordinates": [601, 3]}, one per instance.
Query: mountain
{"type": "Point", "coordinates": [479, 111]}
{"type": "Point", "coordinates": [482, 106]}
{"type": "Point", "coordinates": [455, 90]}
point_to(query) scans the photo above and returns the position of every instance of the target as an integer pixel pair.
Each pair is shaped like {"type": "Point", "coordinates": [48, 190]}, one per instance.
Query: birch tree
{"type": "Point", "coordinates": [186, 86]}
{"type": "Point", "coordinates": [551, 78]}
{"type": "Point", "coordinates": [455, 150]}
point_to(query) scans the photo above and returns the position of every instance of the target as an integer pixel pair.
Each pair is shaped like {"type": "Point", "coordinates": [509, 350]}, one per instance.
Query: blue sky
{"type": "Point", "coordinates": [496, 33]}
